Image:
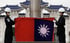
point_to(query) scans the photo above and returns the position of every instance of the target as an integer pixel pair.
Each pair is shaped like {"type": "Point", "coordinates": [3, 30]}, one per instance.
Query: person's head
{"type": "Point", "coordinates": [61, 11]}
{"type": "Point", "coordinates": [7, 11]}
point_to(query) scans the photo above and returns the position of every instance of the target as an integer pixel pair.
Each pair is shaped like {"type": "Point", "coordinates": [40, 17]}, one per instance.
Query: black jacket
{"type": "Point", "coordinates": [60, 26]}
{"type": "Point", "coordinates": [61, 21]}
{"type": "Point", "coordinates": [8, 21]}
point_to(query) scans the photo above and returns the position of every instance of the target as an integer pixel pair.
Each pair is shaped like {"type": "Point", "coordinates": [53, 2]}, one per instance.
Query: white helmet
{"type": "Point", "coordinates": [7, 9]}
{"type": "Point", "coordinates": [61, 10]}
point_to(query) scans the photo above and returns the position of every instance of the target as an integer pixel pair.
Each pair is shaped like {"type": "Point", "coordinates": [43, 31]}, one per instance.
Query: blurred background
{"type": "Point", "coordinates": [21, 8]}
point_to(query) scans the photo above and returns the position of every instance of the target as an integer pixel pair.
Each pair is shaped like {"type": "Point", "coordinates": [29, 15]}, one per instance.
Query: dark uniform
{"type": "Point", "coordinates": [61, 29]}
{"type": "Point", "coordinates": [8, 31]}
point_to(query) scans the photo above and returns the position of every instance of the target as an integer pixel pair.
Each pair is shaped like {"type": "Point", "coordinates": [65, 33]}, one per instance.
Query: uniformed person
{"type": "Point", "coordinates": [60, 26]}
{"type": "Point", "coordinates": [9, 23]}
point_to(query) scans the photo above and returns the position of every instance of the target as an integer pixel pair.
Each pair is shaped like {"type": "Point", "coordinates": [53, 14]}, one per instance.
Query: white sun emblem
{"type": "Point", "coordinates": [43, 30]}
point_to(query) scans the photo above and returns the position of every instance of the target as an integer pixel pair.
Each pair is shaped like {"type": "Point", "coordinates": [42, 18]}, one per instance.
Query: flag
{"type": "Point", "coordinates": [43, 30]}
{"type": "Point", "coordinates": [34, 29]}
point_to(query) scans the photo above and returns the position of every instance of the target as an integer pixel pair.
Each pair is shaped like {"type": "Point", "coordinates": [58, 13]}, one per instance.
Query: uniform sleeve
{"type": "Point", "coordinates": [12, 22]}
{"type": "Point", "coordinates": [61, 22]}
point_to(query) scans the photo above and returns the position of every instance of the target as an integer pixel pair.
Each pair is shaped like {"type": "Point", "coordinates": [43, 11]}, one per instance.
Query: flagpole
{"type": "Point", "coordinates": [35, 10]}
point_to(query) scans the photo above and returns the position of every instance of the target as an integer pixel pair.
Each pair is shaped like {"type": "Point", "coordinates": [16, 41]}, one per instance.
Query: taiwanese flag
{"type": "Point", "coordinates": [34, 29]}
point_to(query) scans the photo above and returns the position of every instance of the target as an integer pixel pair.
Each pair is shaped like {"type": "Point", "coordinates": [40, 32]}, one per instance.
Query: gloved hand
{"type": "Point", "coordinates": [54, 21]}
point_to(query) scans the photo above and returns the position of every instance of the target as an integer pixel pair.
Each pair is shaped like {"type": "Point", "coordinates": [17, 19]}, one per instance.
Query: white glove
{"type": "Point", "coordinates": [54, 21]}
